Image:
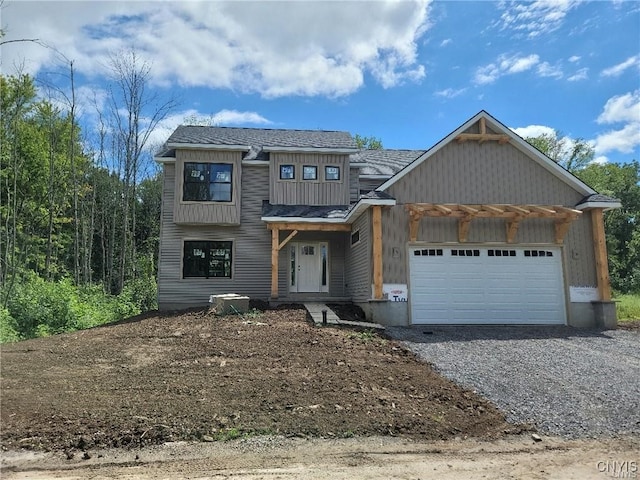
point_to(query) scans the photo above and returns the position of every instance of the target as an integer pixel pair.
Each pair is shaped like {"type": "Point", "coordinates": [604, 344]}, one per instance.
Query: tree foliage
{"type": "Point", "coordinates": [368, 143]}
{"type": "Point", "coordinates": [622, 225]}
{"type": "Point", "coordinates": [572, 154]}
{"type": "Point", "coordinates": [80, 215]}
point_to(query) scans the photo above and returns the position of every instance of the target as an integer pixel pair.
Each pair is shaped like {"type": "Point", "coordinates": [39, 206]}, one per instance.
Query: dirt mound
{"type": "Point", "coordinates": [194, 376]}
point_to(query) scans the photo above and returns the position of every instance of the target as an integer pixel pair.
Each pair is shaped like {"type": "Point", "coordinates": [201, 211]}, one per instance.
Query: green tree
{"type": "Point", "coordinates": [368, 143]}
{"type": "Point", "coordinates": [622, 225]}
{"type": "Point", "coordinates": [571, 154]}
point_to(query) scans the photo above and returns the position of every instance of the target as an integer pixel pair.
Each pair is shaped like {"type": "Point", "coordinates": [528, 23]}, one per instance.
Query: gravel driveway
{"type": "Point", "coordinates": [569, 382]}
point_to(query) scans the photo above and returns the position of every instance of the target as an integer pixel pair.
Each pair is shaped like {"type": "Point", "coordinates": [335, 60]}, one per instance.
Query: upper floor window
{"type": "Point", "coordinates": [207, 182]}
{"type": "Point", "coordinates": [309, 172]}
{"type": "Point", "coordinates": [287, 172]}
{"type": "Point", "coordinates": [331, 173]}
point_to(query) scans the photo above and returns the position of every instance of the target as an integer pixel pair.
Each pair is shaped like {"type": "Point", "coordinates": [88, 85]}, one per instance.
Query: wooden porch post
{"type": "Point", "coordinates": [275, 240]}
{"type": "Point", "coordinates": [600, 246]}
{"type": "Point", "coordinates": [377, 252]}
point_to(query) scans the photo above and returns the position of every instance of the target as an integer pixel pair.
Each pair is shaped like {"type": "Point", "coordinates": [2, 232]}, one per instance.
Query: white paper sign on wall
{"type": "Point", "coordinates": [394, 292]}
{"type": "Point", "coordinates": [583, 294]}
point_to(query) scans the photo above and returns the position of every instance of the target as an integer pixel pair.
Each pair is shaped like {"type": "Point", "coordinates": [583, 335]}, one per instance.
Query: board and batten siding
{"type": "Point", "coordinates": [251, 263]}
{"type": "Point", "coordinates": [223, 213]}
{"type": "Point", "coordinates": [358, 260]}
{"type": "Point", "coordinates": [474, 173]}
{"type": "Point", "coordinates": [309, 192]}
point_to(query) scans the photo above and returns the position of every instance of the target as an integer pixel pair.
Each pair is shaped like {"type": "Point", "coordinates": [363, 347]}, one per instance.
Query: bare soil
{"type": "Point", "coordinates": [370, 458]}
{"type": "Point", "coordinates": [193, 376]}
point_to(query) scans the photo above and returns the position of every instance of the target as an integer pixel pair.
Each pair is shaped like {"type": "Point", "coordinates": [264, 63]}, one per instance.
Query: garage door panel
{"type": "Point", "coordinates": [483, 285]}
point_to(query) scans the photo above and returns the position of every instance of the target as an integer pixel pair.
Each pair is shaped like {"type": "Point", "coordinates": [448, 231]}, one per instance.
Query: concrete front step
{"type": "Point", "coordinates": [315, 310]}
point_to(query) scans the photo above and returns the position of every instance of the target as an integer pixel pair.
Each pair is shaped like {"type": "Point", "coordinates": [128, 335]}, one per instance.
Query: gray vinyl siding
{"type": "Point", "coordinates": [354, 185]}
{"type": "Point", "coordinates": [369, 184]}
{"type": "Point", "coordinates": [309, 192]}
{"type": "Point", "coordinates": [251, 264]}
{"type": "Point", "coordinates": [222, 213]}
{"type": "Point", "coordinates": [358, 261]}
{"type": "Point", "coordinates": [476, 173]}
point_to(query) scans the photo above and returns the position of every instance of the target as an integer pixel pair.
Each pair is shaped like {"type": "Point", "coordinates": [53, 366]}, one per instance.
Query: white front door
{"type": "Point", "coordinates": [310, 267]}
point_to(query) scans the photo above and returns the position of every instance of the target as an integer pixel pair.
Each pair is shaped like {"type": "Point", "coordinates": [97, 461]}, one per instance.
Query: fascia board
{"type": "Point", "coordinates": [165, 159]}
{"type": "Point", "coordinates": [207, 146]}
{"type": "Point", "coordinates": [310, 149]}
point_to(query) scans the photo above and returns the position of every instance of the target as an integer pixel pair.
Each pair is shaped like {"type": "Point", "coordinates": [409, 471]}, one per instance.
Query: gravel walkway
{"type": "Point", "coordinates": [569, 382]}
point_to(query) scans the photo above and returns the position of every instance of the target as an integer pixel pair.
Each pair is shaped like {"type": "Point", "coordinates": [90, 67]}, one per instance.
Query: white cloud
{"type": "Point", "coordinates": [581, 74]}
{"type": "Point", "coordinates": [620, 68]}
{"type": "Point", "coordinates": [450, 92]}
{"type": "Point", "coordinates": [533, 131]}
{"type": "Point", "coordinates": [624, 140]}
{"type": "Point", "coordinates": [545, 69]}
{"type": "Point", "coordinates": [621, 109]}
{"type": "Point", "coordinates": [533, 19]}
{"type": "Point", "coordinates": [505, 65]}
{"type": "Point", "coordinates": [271, 48]}
{"type": "Point", "coordinates": [445, 42]}
{"type": "Point", "coordinates": [574, 58]}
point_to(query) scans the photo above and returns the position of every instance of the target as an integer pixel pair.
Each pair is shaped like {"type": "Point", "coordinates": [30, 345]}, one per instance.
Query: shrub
{"type": "Point", "coordinates": [8, 331]}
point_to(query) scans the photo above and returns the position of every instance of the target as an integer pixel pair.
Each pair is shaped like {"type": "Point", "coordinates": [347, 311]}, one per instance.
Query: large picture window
{"type": "Point", "coordinates": [208, 182]}
{"type": "Point", "coordinates": [207, 259]}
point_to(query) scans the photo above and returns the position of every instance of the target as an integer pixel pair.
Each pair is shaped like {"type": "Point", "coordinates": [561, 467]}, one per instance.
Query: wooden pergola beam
{"type": "Point", "coordinates": [513, 214]}
{"type": "Point", "coordinates": [512, 230]}
{"type": "Point", "coordinates": [600, 250]}
{"type": "Point", "coordinates": [463, 229]}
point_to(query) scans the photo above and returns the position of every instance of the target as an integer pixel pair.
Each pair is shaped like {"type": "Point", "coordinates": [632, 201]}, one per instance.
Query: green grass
{"type": "Point", "coordinates": [628, 306]}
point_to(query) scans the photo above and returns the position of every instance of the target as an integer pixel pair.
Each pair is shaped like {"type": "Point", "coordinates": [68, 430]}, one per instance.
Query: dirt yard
{"type": "Point", "coordinates": [194, 376]}
{"type": "Point", "coordinates": [191, 395]}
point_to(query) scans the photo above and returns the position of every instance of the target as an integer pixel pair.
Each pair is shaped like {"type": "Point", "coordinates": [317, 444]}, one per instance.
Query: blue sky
{"type": "Point", "coordinates": [406, 72]}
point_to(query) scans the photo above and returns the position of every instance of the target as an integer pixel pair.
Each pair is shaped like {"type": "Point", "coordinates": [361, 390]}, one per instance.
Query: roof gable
{"type": "Point", "coordinates": [498, 129]}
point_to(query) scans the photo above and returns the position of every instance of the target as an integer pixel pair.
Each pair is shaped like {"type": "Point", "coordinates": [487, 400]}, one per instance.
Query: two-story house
{"type": "Point", "coordinates": [480, 228]}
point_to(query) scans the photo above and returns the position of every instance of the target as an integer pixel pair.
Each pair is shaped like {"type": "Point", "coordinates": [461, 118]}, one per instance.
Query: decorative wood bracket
{"type": "Point", "coordinates": [483, 136]}
{"type": "Point", "coordinates": [513, 215]}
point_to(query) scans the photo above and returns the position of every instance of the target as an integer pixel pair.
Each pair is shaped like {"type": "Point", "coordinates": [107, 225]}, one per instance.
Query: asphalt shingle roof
{"type": "Point", "coordinates": [598, 197]}
{"type": "Point", "coordinates": [384, 162]}
{"type": "Point", "coordinates": [262, 137]}
{"type": "Point", "coordinates": [303, 211]}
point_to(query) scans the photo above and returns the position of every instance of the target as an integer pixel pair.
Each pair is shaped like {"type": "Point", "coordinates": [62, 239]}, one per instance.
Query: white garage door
{"type": "Point", "coordinates": [486, 285]}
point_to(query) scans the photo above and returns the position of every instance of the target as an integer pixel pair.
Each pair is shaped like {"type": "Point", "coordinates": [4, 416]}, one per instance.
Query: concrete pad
{"type": "Point", "coordinates": [315, 310]}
